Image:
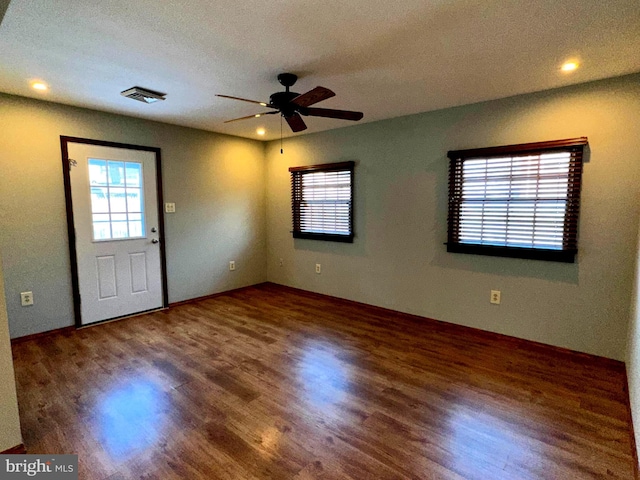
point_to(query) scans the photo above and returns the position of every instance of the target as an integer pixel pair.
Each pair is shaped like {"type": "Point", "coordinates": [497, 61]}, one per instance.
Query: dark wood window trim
{"type": "Point", "coordinates": [299, 230]}
{"type": "Point", "coordinates": [569, 248]}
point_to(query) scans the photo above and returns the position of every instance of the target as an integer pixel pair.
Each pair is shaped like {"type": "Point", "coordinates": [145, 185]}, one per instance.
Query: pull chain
{"type": "Point", "coordinates": [281, 151]}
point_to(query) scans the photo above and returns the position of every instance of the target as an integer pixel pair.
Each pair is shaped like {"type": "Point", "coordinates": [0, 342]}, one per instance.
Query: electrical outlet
{"type": "Point", "coordinates": [318, 268]}
{"type": "Point", "coordinates": [169, 208]}
{"type": "Point", "coordinates": [26, 299]}
{"type": "Point", "coordinates": [495, 297]}
{"type": "Point", "coordinates": [281, 262]}
{"type": "Point", "coordinates": [232, 265]}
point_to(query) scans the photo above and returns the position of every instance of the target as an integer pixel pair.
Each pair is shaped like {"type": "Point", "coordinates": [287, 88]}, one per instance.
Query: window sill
{"type": "Point", "coordinates": [564, 256]}
{"type": "Point", "coordinates": [324, 236]}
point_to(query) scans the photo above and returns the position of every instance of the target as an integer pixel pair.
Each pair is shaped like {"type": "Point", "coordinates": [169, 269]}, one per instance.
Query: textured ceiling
{"type": "Point", "coordinates": [386, 59]}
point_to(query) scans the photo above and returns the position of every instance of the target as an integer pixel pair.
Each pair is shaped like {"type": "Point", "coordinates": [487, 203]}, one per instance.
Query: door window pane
{"type": "Point", "coordinates": [133, 174]}
{"type": "Point", "coordinates": [134, 202]}
{"type": "Point", "coordinates": [117, 202]}
{"type": "Point", "coordinates": [101, 217]}
{"type": "Point", "coordinates": [135, 229]}
{"type": "Point", "coordinates": [100, 199]}
{"type": "Point", "coordinates": [101, 230]}
{"type": "Point", "coordinates": [116, 173]}
{"type": "Point", "coordinates": [98, 172]}
{"type": "Point", "coordinates": [119, 229]}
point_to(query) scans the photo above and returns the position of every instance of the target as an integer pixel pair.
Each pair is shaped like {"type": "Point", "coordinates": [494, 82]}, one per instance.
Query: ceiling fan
{"type": "Point", "coordinates": [292, 105]}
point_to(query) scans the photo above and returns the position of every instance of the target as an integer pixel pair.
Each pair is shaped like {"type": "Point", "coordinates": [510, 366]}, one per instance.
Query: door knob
{"type": "Point", "coordinates": [155, 240]}
{"type": "Point", "coordinates": [154, 229]}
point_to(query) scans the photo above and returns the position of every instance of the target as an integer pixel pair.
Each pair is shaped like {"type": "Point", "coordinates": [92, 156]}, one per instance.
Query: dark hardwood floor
{"type": "Point", "coordinates": [270, 382]}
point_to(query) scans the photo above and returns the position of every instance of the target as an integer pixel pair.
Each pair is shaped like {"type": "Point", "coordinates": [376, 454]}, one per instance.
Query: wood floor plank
{"type": "Point", "coordinates": [272, 382]}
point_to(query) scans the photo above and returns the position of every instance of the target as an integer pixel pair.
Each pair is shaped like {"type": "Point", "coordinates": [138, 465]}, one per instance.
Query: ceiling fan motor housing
{"type": "Point", "coordinates": [282, 101]}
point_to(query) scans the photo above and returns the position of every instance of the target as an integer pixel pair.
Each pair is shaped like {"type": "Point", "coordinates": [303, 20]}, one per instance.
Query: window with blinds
{"type": "Point", "coordinates": [516, 201]}
{"type": "Point", "coordinates": [322, 201]}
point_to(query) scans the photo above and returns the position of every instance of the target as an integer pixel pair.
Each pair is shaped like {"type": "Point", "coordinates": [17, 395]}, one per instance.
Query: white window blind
{"type": "Point", "coordinates": [519, 197]}
{"type": "Point", "coordinates": [322, 201]}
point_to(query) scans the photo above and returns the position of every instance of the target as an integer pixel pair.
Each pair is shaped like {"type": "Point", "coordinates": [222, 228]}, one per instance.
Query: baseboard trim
{"type": "Point", "coordinates": [516, 341]}
{"type": "Point", "coordinates": [33, 336]}
{"type": "Point", "coordinates": [636, 465]}
{"type": "Point", "coordinates": [214, 295]}
{"type": "Point", "coordinates": [17, 450]}
{"type": "Point", "coordinates": [611, 363]}
{"type": "Point", "coordinates": [73, 328]}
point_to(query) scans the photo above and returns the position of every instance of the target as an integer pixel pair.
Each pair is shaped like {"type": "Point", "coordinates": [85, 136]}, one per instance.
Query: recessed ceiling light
{"type": "Point", "coordinates": [40, 86]}
{"type": "Point", "coordinates": [263, 104]}
{"type": "Point", "coordinates": [261, 131]}
{"type": "Point", "coordinates": [569, 66]}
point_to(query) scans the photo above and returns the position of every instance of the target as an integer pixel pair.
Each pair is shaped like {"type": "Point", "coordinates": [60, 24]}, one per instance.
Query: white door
{"type": "Point", "coordinates": [115, 214]}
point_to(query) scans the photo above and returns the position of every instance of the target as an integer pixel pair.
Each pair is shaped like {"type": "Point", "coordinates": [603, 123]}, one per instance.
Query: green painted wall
{"type": "Point", "coordinates": [216, 181]}
{"type": "Point", "coordinates": [398, 259]}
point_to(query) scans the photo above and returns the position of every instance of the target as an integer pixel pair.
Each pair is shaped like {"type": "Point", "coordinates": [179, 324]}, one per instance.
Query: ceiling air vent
{"type": "Point", "coordinates": [143, 95]}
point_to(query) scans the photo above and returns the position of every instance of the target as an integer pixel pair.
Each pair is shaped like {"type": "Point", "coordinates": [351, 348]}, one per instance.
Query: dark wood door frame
{"type": "Point", "coordinates": [64, 142]}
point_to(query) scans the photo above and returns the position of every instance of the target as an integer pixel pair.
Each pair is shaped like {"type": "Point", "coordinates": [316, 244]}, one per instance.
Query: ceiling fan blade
{"type": "Point", "coordinates": [264, 104]}
{"type": "Point", "coordinates": [257, 115]}
{"type": "Point", "coordinates": [313, 96]}
{"type": "Point", "coordinates": [330, 113]}
{"type": "Point", "coordinates": [296, 123]}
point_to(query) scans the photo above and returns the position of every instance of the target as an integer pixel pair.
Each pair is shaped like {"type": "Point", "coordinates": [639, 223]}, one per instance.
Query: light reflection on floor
{"type": "Point", "coordinates": [323, 375]}
{"type": "Point", "coordinates": [129, 417]}
{"type": "Point", "coordinates": [478, 438]}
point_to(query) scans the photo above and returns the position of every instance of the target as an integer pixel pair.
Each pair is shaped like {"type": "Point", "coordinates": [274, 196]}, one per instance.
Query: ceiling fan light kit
{"type": "Point", "coordinates": [291, 105]}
